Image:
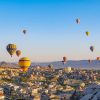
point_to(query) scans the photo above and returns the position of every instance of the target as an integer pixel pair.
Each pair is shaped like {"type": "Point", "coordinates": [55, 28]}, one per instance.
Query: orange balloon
{"type": "Point", "coordinates": [64, 59]}
{"type": "Point", "coordinates": [98, 58]}
{"type": "Point", "coordinates": [24, 69]}
{"type": "Point", "coordinates": [18, 53]}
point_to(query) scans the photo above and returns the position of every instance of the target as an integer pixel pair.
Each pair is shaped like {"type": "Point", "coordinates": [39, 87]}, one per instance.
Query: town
{"type": "Point", "coordinates": [48, 83]}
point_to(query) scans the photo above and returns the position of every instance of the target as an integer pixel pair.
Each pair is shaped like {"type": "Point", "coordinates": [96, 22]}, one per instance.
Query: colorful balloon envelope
{"type": "Point", "coordinates": [24, 63]}
{"type": "Point", "coordinates": [11, 48]}
{"type": "Point", "coordinates": [18, 53]}
{"type": "Point", "coordinates": [87, 33]}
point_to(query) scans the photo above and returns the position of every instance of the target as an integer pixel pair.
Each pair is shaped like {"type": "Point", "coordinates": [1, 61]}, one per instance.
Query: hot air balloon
{"type": "Point", "coordinates": [92, 48]}
{"type": "Point", "coordinates": [24, 63]}
{"type": "Point", "coordinates": [87, 33]}
{"type": "Point", "coordinates": [89, 60]}
{"type": "Point", "coordinates": [11, 48]}
{"type": "Point", "coordinates": [77, 21]}
{"type": "Point", "coordinates": [64, 60]}
{"type": "Point", "coordinates": [18, 53]}
{"type": "Point", "coordinates": [24, 31]}
{"type": "Point", "coordinates": [50, 66]}
{"type": "Point", "coordinates": [98, 58]}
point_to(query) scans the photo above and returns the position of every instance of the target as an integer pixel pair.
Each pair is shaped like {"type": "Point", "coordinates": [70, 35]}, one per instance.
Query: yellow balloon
{"type": "Point", "coordinates": [87, 33]}
{"type": "Point", "coordinates": [24, 63]}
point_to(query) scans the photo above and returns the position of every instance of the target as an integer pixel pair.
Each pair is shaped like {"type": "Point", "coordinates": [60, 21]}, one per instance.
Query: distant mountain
{"type": "Point", "coordinates": [74, 64]}
{"type": "Point", "coordinates": [58, 64]}
{"type": "Point", "coordinates": [5, 64]}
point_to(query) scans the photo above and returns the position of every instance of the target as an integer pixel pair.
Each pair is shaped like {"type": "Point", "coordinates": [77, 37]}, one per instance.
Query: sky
{"type": "Point", "coordinates": [52, 31]}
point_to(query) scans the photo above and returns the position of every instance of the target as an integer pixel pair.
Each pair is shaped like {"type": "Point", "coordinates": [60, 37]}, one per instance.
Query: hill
{"type": "Point", "coordinates": [58, 64]}
{"type": "Point", "coordinates": [76, 64]}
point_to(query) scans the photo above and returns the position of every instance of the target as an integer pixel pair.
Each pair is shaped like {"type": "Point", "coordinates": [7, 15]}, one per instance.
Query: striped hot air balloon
{"type": "Point", "coordinates": [24, 63]}
{"type": "Point", "coordinates": [11, 48]}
